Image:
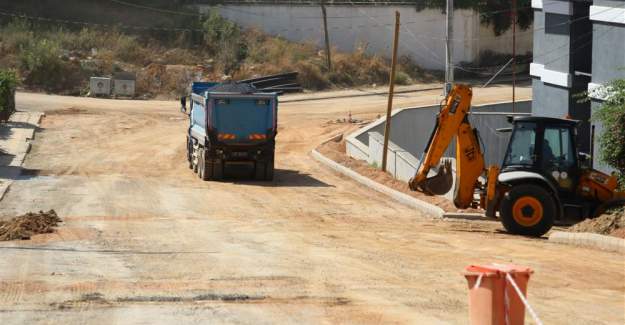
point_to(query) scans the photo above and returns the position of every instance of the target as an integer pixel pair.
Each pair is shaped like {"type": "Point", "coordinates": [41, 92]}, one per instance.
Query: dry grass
{"type": "Point", "coordinates": [61, 60]}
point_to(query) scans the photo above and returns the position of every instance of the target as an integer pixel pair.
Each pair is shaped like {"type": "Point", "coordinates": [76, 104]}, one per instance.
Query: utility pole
{"type": "Point", "coordinates": [391, 90]}
{"type": "Point", "coordinates": [514, 19]}
{"type": "Point", "coordinates": [327, 37]}
{"type": "Point", "coordinates": [449, 57]}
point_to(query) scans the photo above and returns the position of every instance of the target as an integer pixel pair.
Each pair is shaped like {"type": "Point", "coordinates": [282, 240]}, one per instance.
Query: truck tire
{"type": "Point", "coordinates": [202, 168]}
{"type": "Point", "coordinates": [528, 210]}
{"type": "Point", "coordinates": [269, 168]}
{"type": "Point", "coordinates": [189, 153]}
{"type": "Point", "coordinates": [259, 170]}
{"type": "Point", "coordinates": [193, 163]}
{"type": "Point", "coordinates": [217, 169]}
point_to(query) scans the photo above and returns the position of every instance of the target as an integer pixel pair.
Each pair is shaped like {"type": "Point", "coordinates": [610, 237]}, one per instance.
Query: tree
{"type": "Point", "coordinates": [611, 114]}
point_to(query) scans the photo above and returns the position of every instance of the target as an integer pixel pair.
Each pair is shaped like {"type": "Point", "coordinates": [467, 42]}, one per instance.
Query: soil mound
{"type": "Point", "coordinates": [27, 225]}
{"type": "Point", "coordinates": [607, 224]}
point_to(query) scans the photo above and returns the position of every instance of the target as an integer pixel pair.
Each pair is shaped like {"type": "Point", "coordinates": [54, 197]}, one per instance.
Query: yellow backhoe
{"type": "Point", "coordinates": [542, 179]}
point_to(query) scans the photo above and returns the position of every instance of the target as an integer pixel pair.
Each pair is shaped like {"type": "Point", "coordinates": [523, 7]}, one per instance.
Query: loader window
{"type": "Point", "coordinates": [522, 144]}
{"type": "Point", "coordinates": [558, 151]}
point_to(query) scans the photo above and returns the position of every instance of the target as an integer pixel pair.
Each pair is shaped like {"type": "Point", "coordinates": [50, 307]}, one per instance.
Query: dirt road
{"type": "Point", "coordinates": [144, 241]}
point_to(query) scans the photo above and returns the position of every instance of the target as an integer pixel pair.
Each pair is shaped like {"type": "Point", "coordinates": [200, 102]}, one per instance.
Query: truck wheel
{"type": "Point", "coordinates": [189, 154]}
{"type": "Point", "coordinates": [195, 163]}
{"type": "Point", "coordinates": [269, 168]}
{"type": "Point", "coordinates": [217, 167]}
{"type": "Point", "coordinates": [527, 210]}
{"type": "Point", "coordinates": [259, 170]}
{"type": "Point", "coordinates": [202, 165]}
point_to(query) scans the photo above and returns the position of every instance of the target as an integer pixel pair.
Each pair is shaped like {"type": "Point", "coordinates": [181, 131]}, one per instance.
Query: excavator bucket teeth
{"type": "Point", "coordinates": [440, 183]}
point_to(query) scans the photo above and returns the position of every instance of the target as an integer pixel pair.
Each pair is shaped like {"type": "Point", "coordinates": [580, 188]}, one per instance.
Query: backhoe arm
{"type": "Point", "coordinates": [452, 120]}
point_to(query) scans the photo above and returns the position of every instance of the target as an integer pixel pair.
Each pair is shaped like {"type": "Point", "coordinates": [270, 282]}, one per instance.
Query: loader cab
{"type": "Point", "coordinates": [545, 146]}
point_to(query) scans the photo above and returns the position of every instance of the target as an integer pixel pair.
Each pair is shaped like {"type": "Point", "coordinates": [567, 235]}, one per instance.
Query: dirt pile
{"type": "Point", "coordinates": [27, 225]}
{"type": "Point", "coordinates": [607, 224]}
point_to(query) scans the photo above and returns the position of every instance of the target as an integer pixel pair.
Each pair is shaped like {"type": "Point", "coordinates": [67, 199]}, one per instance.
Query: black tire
{"type": "Point", "coordinates": [195, 166]}
{"type": "Point", "coordinates": [217, 167]}
{"type": "Point", "coordinates": [528, 210]}
{"type": "Point", "coordinates": [189, 154]}
{"type": "Point", "coordinates": [202, 168]}
{"type": "Point", "coordinates": [606, 206]}
{"type": "Point", "coordinates": [259, 171]}
{"type": "Point", "coordinates": [269, 168]}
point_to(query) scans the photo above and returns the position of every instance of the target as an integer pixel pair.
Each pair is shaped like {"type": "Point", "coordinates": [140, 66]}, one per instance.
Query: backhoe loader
{"type": "Point", "coordinates": [542, 178]}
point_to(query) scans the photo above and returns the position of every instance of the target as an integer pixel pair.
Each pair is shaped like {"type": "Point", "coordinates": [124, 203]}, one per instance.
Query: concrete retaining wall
{"type": "Point", "coordinates": [351, 26]}
{"type": "Point", "coordinates": [412, 127]}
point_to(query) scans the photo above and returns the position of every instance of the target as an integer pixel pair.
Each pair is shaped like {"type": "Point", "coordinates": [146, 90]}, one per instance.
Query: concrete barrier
{"type": "Point", "coordinates": [590, 240]}
{"type": "Point", "coordinates": [427, 208]}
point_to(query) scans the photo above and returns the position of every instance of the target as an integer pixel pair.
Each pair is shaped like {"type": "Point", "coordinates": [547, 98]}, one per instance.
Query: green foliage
{"type": "Point", "coordinates": [611, 114]}
{"type": "Point", "coordinates": [8, 82]}
{"type": "Point", "coordinates": [42, 67]}
{"type": "Point", "coordinates": [492, 12]}
{"type": "Point", "coordinates": [225, 40]}
{"type": "Point", "coordinates": [15, 35]}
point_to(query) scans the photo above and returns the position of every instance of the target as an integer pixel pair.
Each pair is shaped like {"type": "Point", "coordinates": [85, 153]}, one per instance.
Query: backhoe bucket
{"type": "Point", "coordinates": [440, 183]}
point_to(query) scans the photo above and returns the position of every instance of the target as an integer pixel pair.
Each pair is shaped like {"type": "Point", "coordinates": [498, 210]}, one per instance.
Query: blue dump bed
{"type": "Point", "coordinates": [235, 118]}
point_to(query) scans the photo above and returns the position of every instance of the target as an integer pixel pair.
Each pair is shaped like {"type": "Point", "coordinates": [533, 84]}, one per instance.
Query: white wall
{"type": "Point", "coordinates": [421, 37]}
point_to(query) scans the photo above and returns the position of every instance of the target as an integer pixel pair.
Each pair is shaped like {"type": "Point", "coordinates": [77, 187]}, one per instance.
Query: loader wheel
{"type": "Point", "coordinates": [527, 210]}
{"type": "Point", "coordinates": [606, 206]}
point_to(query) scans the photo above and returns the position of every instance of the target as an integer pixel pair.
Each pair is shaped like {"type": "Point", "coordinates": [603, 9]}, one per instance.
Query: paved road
{"type": "Point", "coordinates": [144, 241]}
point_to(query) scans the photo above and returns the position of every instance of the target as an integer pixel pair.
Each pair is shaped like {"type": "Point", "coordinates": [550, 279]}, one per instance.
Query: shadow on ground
{"type": "Point", "coordinates": [244, 174]}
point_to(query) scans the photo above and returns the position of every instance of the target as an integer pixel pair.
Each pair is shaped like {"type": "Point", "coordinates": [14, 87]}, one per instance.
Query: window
{"type": "Point", "coordinates": [557, 151]}
{"type": "Point", "coordinates": [522, 144]}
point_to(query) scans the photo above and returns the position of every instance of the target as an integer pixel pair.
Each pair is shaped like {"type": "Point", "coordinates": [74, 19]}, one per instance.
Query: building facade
{"type": "Point", "coordinates": [578, 46]}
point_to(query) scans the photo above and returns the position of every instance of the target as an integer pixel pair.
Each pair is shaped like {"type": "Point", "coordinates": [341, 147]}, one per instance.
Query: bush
{"type": "Point", "coordinates": [8, 82]}
{"type": "Point", "coordinates": [15, 36]}
{"type": "Point", "coordinates": [224, 39]}
{"type": "Point", "coordinates": [128, 49]}
{"type": "Point", "coordinates": [311, 77]}
{"type": "Point", "coordinates": [612, 115]}
{"type": "Point", "coordinates": [42, 67]}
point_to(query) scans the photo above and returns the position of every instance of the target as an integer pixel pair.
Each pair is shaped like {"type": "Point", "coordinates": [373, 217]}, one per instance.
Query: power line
{"type": "Point", "coordinates": [165, 11]}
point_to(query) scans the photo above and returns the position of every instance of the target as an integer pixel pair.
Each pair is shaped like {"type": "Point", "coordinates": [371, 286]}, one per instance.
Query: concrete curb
{"type": "Point", "coordinates": [20, 150]}
{"type": "Point", "coordinates": [590, 240]}
{"type": "Point", "coordinates": [402, 198]}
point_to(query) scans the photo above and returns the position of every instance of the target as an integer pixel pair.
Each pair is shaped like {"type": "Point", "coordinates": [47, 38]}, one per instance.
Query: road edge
{"type": "Point", "coordinates": [402, 198]}
{"type": "Point", "coordinates": [34, 118]}
{"type": "Point", "coordinates": [589, 240]}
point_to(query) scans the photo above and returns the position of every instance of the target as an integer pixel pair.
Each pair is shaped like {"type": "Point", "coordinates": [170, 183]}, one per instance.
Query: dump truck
{"type": "Point", "coordinates": [543, 178]}
{"type": "Point", "coordinates": [231, 123]}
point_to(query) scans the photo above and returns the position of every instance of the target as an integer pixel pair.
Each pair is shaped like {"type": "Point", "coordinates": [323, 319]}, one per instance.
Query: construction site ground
{"type": "Point", "coordinates": [143, 240]}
